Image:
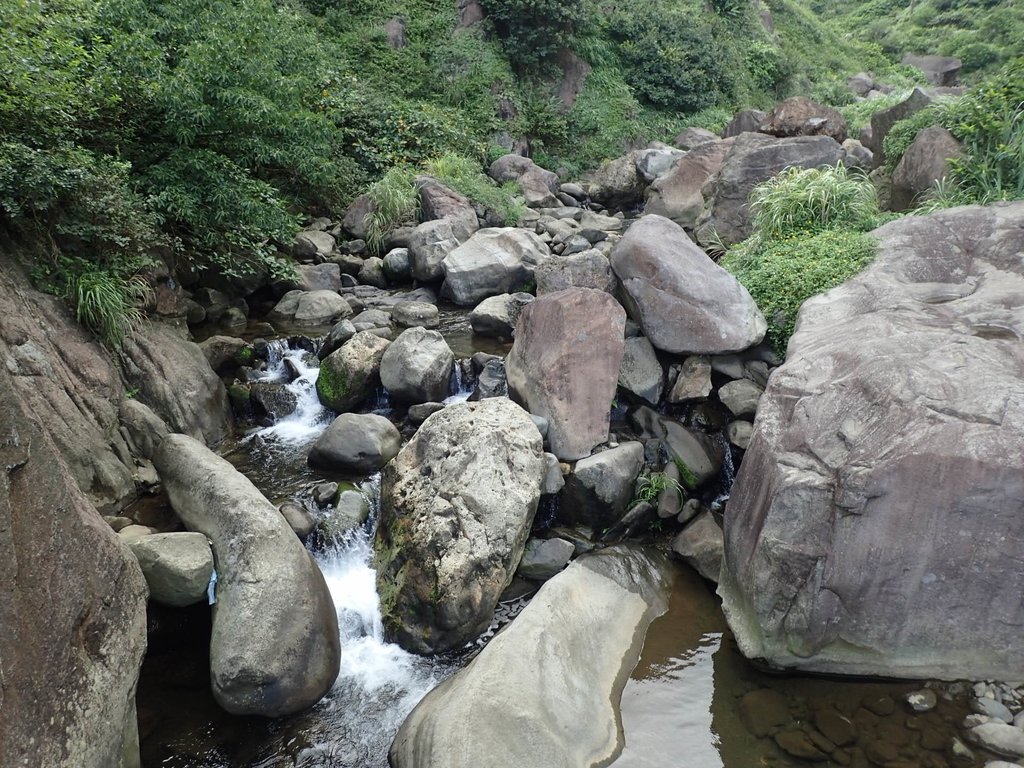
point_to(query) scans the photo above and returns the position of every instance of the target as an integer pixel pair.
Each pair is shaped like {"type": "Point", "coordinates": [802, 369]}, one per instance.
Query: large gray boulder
{"type": "Point", "coordinates": [177, 566]}
{"type": "Point", "coordinates": [677, 195]}
{"type": "Point", "coordinates": [939, 70]}
{"type": "Point", "coordinates": [618, 183]}
{"type": "Point", "coordinates": [925, 162]}
{"type": "Point", "coordinates": [359, 443]}
{"type": "Point", "coordinates": [497, 315]}
{"type": "Point", "coordinates": [684, 302]}
{"type": "Point", "coordinates": [564, 366]}
{"type": "Point", "coordinates": [349, 375]}
{"type": "Point", "coordinates": [457, 505]}
{"type": "Point", "coordinates": [417, 366]}
{"type": "Point", "coordinates": [274, 647]}
{"type": "Point", "coordinates": [545, 692]}
{"type": "Point", "coordinates": [754, 158]}
{"type": "Point", "coordinates": [494, 260]}
{"type": "Point", "coordinates": [883, 121]}
{"type": "Point", "coordinates": [641, 373]}
{"type": "Point", "coordinates": [538, 186]}
{"type": "Point", "coordinates": [876, 524]}
{"type": "Point", "coordinates": [429, 243]}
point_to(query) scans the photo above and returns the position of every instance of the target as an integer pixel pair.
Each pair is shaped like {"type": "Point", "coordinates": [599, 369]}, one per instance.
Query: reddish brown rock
{"type": "Point", "coordinates": [565, 363]}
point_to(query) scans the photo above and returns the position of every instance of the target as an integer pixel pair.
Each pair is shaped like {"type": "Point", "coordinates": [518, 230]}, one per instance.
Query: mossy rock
{"type": "Point", "coordinates": [350, 374]}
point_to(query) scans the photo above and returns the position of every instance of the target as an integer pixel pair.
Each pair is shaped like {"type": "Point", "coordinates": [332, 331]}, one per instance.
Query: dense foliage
{"type": "Point", "coordinates": [809, 236]}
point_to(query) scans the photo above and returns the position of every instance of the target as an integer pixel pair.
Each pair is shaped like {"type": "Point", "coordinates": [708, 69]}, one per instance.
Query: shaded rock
{"type": "Point", "coordinates": [740, 397]}
{"type": "Point", "coordinates": [537, 185]}
{"type": "Point", "coordinates": [351, 373]}
{"type": "Point", "coordinates": [683, 300]}
{"type": "Point", "coordinates": [640, 372]}
{"type": "Point", "coordinates": [925, 162]}
{"type": "Point", "coordinates": [744, 121]}
{"type": "Point", "coordinates": [695, 455]}
{"type": "Point", "coordinates": [691, 138]}
{"type": "Point", "coordinates": [883, 121]}
{"type": "Point", "coordinates": [398, 265]}
{"type": "Point", "coordinates": [835, 726]}
{"type": "Point", "coordinates": [544, 558]}
{"type": "Point", "coordinates": [339, 334]}
{"type": "Point", "coordinates": [492, 381]}
{"type": "Point", "coordinates": [417, 366]}
{"type": "Point", "coordinates": [617, 183]}
{"type": "Point", "coordinates": [311, 243]}
{"type": "Point", "coordinates": [351, 510]}
{"type": "Point", "coordinates": [691, 379]}
{"type": "Point", "coordinates": [411, 314]}
{"type": "Point", "coordinates": [354, 220]}
{"type": "Point", "coordinates": [177, 566]}
{"type": "Point", "coordinates": [492, 261]}
{"type": "Point", "coordinates": [652, 163]}
{"type": "Point", "coordinates": [175, 380]}
{"type": "Point", "coordinates": [940, 70]}
{"type": "Point", "coordinates": [359, 443]}
{"type": "Point", "coordinates": [752, 159]}
{"type": "Point", "coordinates": [372, 273]}
{"type": "Point", "coordinates": [763, 710]}
{"type": "Point", "coordinates": [419, 413]}
{"type": "Point", "coordinates": [319, 277]}
{"type": "Point", "coordinates": [857, 155]}
{"type": "Point", "coordinates": [440, 202]}
{"type": "Point", "coordinates": [274, 649]}
{"type": "Point", "coordinates": [739, 432]}
{"type": "Point", "coordinates": [601, 486]}
{"type": "Point", "coordinates": [457, 504]}
{"type": "Point", "coordinates": [553, 480]}
{"type": "Point", "coordinates": [587, 269]}
{"type": "Point", "coordinates": [520, 702]}
{"type": "Point", "coordinates": [677, 195]}
{"type": "Point", "coordinates": [799, 744]}
{"type": "Point", "coordinates": [222, 352]}
{"type": "Point", "coordinates": [497, 316]}
{"type": "Point", "coordinates": [799, 116]}
{"type": "Point", "coordinates": [298, 518]}
{"type": "Point", "coordinates": [899, 410]}
{"type": "Point", "coordinates": [565, 363]}
{"type": "Point", "coordinates": [272, 399]}
{"type": "Point", "coordinates": [700, 545]}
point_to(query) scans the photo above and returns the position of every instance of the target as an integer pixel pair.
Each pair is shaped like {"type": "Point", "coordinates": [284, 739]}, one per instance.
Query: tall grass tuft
{"type": "Point", "coordinates": [395, 200]}
{"type": "Point", "coordinates": [812, 200]}
{"type": "Point", "coordinates": [107, 302]}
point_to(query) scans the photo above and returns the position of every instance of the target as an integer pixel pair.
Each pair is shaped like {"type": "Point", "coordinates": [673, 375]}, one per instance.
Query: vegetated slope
{"type": "Point", "coordinates": [208, 129]}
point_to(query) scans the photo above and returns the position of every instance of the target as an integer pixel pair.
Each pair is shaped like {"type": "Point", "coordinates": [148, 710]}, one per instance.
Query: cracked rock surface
{"type": "Point", "coordinates": [877, 523]}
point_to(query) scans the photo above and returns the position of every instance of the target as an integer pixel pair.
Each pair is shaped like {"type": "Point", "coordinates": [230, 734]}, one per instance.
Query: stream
{"type": "Point", "coordinates": [681, 706]}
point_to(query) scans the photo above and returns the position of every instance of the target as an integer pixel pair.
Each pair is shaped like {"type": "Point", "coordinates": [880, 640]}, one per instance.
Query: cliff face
{"type": "Point", "coordinates": [72, 597]}
{"type": "Point", "coordinates": [72, 600]}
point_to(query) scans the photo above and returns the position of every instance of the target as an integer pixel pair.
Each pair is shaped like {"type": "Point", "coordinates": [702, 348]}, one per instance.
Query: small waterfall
{"type": "Point", "coordinates": [309, 418]}
{"type": "Point", "coordinates": [460, 388]}
{"type": "Point", "coordinates": [726, 476]}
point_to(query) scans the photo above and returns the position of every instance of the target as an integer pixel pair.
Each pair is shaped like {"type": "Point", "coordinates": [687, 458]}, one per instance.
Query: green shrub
{"type": "Point", "coordinates": [532, 31]}
{"type": "Point", "coordinates": [465, 176]}
{"type": "Point", "coordinates": [782, 274]}
{"type": "Point", "coordinates": [858, 113]}
{"type": "Point", "coordinates": [813, 199]}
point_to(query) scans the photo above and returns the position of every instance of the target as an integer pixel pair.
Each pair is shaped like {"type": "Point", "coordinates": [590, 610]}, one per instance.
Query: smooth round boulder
{"type": "Point", "coordinates": [410, 314]}
{"type": "Point", "coordinates": [274, 648]}
{"type": "Point", "coordinates": [492, 261]}
{"type": "Point", "coordinates": [359, 443]}
{"type": "Point", "coordinates": [545, 692]}
{"type": "Point", "coordinates": [497, 316]}
{"type": "Point", "coordinates": [417, 367]}
{"type": "Point", "coordinates": [320, 308]}
{"type": "Point", "coordinates": [177, 566]}
{"type": "Point", "coordinates": [683, 300]}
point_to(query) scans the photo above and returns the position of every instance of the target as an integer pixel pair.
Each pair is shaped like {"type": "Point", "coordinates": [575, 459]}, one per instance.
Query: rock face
{"type": "Point", "coordinates": [677, 194]}
{"type": "Point", "coordinates": [883, 121]}
{"type": "Point", "coordinates": [274, 649]}
{"type": "Point", "coordinates": [683, 300]}
{"type": "Point", "coordinates": [356, 442]}
{"type": "Point", "coordinates": [618, 183]}
{"type": "Point", "coordinates": [417, 366]}
{"type": "Point", "coordinates": [492, 261]}
{"type": "Point", "coordinates": [457, 504]}
{"type": "Point", "coordinates": [925, 162]}
{"type": "Point", "coordinates": [564, 366]}
{"type": "Point", "coordinates": [875, 526]}
{"type": "Point", "coordinates": [544, 693]}
{"type": "Point", "coordinates": [940, 70]}
{"type": "Point", "coordinates": [754, 158]}
{"type": "Point", "coordinates": [176, 381]}
{"type": "Point", "coordinates": [601, 486]}
{"type": "Point", "coordinates": [349, 375]}
{"type": "Point", "coordinates": [587, 269]}
{"type": "Point", "coordinates": [71, 650]}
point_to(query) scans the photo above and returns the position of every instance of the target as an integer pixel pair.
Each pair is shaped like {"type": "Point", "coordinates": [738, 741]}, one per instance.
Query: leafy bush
{"type": "Point", "coordinates": [858, 114]}
{"type": "Point", "coordinates": [464, 175]}
{"type": "Point", "coordinates": [813, 199]}
{"type": "Point", "coordinates": [532, 31]}
{"type": "Point", "coordinates": [782, 274]}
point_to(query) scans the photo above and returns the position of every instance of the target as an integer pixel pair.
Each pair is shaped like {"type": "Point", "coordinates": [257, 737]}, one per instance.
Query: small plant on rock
{"type": "Point", "coordinates": [650, 487]}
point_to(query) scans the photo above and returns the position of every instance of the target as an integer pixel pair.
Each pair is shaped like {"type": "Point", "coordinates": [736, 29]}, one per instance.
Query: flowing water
{"type": "Point", "coordinates": [680, 707]}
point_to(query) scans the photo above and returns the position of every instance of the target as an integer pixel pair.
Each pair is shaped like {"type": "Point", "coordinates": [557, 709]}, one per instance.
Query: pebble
{"type": "Point", "coordinates": [921, 701]}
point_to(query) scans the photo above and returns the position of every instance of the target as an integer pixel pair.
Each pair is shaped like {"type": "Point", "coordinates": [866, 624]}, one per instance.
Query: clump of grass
{"type": "Point", "coordinates": [650, 487]}
{"type": "Point", "coordinates": [395, 200]}
{"type": "Point", "coordinates": [106, 302]}
{"type": "Point", "coordinates": [812, 200]}
{"type": "Point", "coordinates": [464, 175]}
